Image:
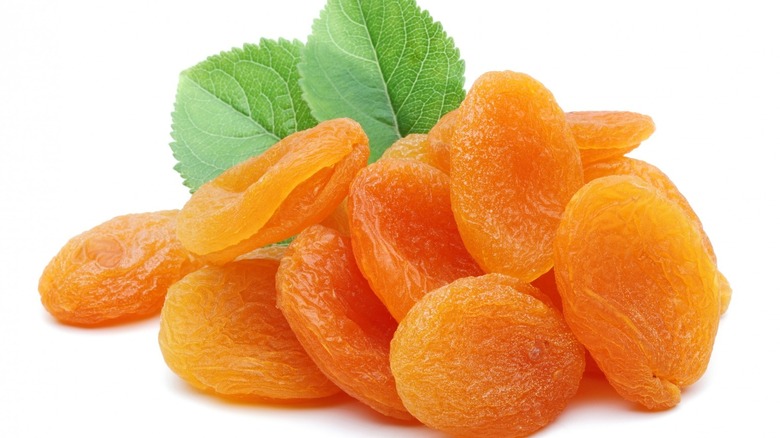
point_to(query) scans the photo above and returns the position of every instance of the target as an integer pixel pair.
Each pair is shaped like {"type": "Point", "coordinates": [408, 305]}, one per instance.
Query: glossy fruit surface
{"type": "Point", "coordinates": [603, 135]}
{"type": "Point", "coordinates": [403, 232]}
{"type": "Point", "coordinates": [221, 332]}
{"type": "Point", "coordinates": [296, 183]}
{"type": "Point", "coordinates": [514, 166]}
{"type": "Point", "coordinates": [340, 322]}
{"type": "Point", "coordinates": [117, 271]}
{"type": "Point", "coordinates": [638, 288]}
{"type": "Point", "coordinates": [480, 357]}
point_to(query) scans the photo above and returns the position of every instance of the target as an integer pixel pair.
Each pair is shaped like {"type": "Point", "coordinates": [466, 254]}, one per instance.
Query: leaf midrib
{"type": "Point", "coordinates": [379, 66]}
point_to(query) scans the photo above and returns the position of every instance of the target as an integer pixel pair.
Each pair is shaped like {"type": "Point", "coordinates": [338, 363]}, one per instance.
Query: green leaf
{"type": "Point", "coordinates": [386, 64]}
{"type": "Point", "coordinates": [234, 106]}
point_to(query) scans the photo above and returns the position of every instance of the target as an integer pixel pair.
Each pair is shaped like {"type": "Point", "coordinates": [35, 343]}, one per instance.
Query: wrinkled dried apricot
{"type": "Point", "coordinates": [340, 322]}
{"type": "Point", "coordinates": [338, 219]}
{"type": "Point", "coordinates": [296, 183]}
{"type": "Point", "coordinates": [546, 284]}
{"type": "Point", "coordinates": [413, 146]}
{"type": "Point", "coordinates": [440, 139]}
{"type": "Point", "coordinates": [221, 332]}
{"type": "Point", "coordinates": [659, 180]}
{"type": "Point", "coordinates": [514, 166]}
{"type": "Point", "coordinates": [119, 270]}
{"type": "Point", "coordinates": [403, 233]}
{"type": "Point", "coordinates": [638, 288]}
{"type": "Point", "coordinates": [482, 357]}
{"type": "Point", "coordinates": [602, 135]}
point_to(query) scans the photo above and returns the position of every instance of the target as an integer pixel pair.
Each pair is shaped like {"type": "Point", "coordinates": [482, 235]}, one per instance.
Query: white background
{"type": "Point", "coordinates": [86, 91]}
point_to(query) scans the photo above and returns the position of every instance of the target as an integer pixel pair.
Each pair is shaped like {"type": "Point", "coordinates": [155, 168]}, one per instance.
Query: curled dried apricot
{"type": "Point", "coordinates": [660, 181]}
{"type": "Point", "coordinates": [638, 288]}
{"type": "Point", "coordinates": [340, 322]}
{"type": "Point", "coordinates": [296, 183]}
{"type": "Point", "coordinates": [221, 332]}
{"type": "Point", "coordinates": [482, 357]}
{"type": "Point", "coordinates": [602, 135]}
{"type": "Point", "coordinates": [514, 166]}
{"type": "Point", "coordinates": [119, 270]}
{"type": "Point", "coordinates": [403, 233]}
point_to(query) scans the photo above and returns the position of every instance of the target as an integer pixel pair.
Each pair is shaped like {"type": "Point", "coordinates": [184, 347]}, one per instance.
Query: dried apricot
{"type": "Point", "coordinates": [221, 332]}
{"type": "Point", "coordinates": [296, 183]}
{"type": "Point", "coordinates": [546, 284]}
{"type": "Point", "coordinates": [439, 140]}
{"type": "Point", "coordinates": [413, 146]}
{"type": "Point", "coordinates": [340, 322]}
{"type": "Point", "coordinates": [602, 135]}
{"type": "Point", "coordinates": [514, 166]}
{"type": "Point", "coordinates": [119, 270]}
{"type": "Point", "coordinates": [660, 181]}
{"type": "Point", "coordinates": [482, 357]}
{"type": "Point", "coordinates": [403, 233]}
{"type": "Point", "coordinates": [338, 219]}
{"type": "Point", "coordinates": [638, 288]}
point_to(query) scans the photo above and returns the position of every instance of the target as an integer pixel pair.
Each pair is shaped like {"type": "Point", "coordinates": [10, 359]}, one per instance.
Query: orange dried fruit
{"type": "Point", "coordinates": [602, 135]}
{"type": "Point", "coordinates": [296, 183]}
{"type": "Point", "coordinates": [482, 357]}
{"type": "Point", "coordinates": [638, 288]}
{"type": "Point", "coordinates": [514, 166]}
{"type": "Point", "coordinates": [221, 332]}
{"type": "Point", "coordinates": [403, 232]}
{"type": "Point", "coordinates": [440, 139]}
{"type": "Point", "coordinates": [338, 219]}
{"type": "Point", "coordinates": [413, 146]}
{"type": "Point", "coordinates": [117, 271]}
{"type": "Point", "coordinates": [660, 181]}
{"type": "Point", "coordinates": [337, 318]}
{"type": "Point", "coordinates": [546, 284]}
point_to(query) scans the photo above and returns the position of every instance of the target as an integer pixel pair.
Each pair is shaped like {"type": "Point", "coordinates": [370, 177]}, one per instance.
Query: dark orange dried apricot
{"type": "Point", "coordinates": [514, 166]}
{"type": "Point", "coordinates": [221, 332]}
{"type": "Point", "coordinates": [337, 318]}
{"type": "Point", "coordinates": [118, 271]}
{"type": "Point", "coordinates": [296, 183]}
{"type": "Point", "coordinates": [403, 233]}
{"type": "Point", "coordinates": [638, 288]}
{"type": "Point", "coordinates": [482, 357]}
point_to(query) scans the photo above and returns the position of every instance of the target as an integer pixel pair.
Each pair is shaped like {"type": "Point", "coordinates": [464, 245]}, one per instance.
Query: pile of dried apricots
{"type": "Point", "coordinates": [467, 279]}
